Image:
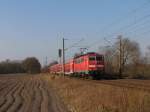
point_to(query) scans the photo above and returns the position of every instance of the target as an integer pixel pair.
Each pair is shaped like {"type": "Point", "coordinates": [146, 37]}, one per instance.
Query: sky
{"type": "Point", "coordinates": [36, 27]}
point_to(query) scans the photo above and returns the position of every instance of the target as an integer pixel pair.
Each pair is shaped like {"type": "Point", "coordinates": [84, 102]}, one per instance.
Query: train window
{"type": "Point", "coordinates": [92, 58]}
{"type": "Point", "coordinates": [82, 59]}
{"type": "Point", "coordinates": [99, 58]}
{"type": "Point", "coordinates": [79, 60]}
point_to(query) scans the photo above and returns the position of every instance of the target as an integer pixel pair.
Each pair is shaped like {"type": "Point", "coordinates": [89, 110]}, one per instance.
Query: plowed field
{"type": "Point", "coordinates": [28, 93]}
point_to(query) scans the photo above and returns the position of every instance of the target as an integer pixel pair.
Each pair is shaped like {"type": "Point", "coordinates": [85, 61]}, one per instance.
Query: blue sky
{"type": "Point", "coordinates": [36, 27]}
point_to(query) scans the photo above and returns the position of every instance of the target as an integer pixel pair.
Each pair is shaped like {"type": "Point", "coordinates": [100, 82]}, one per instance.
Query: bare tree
{"type": "Point", "coordinates": [148, 55]}
{"type": "Point", "coordinates": [109, 53]}
{"type": "Point", "coordinates": [130, 52]}
{"type": "Point", "coordinates": [121, 54]}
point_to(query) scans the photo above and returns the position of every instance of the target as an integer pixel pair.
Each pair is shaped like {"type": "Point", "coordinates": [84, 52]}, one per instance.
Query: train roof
{"type": "Point", "coordinates": [87, 54]}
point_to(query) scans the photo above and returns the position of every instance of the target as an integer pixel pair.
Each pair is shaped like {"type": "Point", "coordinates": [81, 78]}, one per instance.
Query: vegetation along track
{"type": "Point", "coordinates": [27, 93]}
{"type": "Point", "coordinates": [143, 85]}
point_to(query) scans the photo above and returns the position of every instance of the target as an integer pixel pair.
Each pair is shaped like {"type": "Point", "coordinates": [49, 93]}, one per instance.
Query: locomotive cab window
{"type": "Point", "coordinates": [99, 58]}
{"type": "Point", "coordinates": [92, 58]}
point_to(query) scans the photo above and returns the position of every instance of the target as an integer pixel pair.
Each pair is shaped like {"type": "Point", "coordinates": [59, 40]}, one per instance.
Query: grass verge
{"type": "Point", "coordinates": [83, 96]}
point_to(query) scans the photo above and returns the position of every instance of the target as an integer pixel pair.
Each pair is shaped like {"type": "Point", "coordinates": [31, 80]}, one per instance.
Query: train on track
{"type": "Point", "coordinates": [87, 65]}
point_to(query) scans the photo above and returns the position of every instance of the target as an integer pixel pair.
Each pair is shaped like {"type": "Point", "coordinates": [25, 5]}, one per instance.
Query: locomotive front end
{"type": "Point", "coordinates": [96, 64]}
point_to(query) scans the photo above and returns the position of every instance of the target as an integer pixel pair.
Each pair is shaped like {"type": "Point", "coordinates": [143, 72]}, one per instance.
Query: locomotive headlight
{"type": "Point", "coordinates": [92, 66]}
{"type": "Point", "coordinates": [100, 65]}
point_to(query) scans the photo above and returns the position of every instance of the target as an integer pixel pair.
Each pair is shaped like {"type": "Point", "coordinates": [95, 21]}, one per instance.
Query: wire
{"type": "Point", "coordinates": [137, 25]}
{"type": "Point", "coordinates": [119, 20]}
{"type": "Point", "coordinates": [146, 32]}
{"type": "Point", "coordinates": [127, 15]}
{"type": "Point", "coordinates": [137, 29]}
{"type": "Point", "coordinates": [74, 45]}
{"type": "Point", "coordinates": [122, 28]}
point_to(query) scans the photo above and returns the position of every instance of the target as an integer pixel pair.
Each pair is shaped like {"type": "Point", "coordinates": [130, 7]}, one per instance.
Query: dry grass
{"type": "Point", "coordinates": [83, 96]}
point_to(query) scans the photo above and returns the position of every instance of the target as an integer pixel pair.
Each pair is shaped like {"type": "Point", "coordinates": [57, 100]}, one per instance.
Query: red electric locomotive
{"type": "Point", "coordinates": [90, 64]}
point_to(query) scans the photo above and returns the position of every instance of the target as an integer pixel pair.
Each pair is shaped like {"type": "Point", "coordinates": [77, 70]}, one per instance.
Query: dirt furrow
{"type": "Point", "coordinates": [9, 99]}
{"type": "Point", "coordinates": [4, 86]}
{"type": "Point", "coordinates": [38, 98]}
{"type": "Point", "coordinates": [28, 93]}
{"type": "Point", "coordinates": [45, 99]}
{"type": "Point", "coordinates": [27, 96]}
{"type": "Point", "coordinates": [18, 100]}
{"type": "Point", "coordinates": [5, 93]}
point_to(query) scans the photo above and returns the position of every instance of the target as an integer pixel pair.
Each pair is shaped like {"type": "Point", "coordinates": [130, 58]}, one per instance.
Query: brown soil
{"type": "Point", "coordinates": [28, 93]}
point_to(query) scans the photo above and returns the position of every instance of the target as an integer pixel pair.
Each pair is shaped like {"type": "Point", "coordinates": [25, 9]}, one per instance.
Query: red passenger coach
{"type": "Point", "coordinates": [57, 68]}
{"type": "Point", "coordinates": [90, 64]}
{"type": "Point", "coordinates": [69, 67]}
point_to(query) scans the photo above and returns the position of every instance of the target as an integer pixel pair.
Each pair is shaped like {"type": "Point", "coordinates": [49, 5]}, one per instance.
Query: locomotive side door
{"type": "Point", "coordinates": [72, 66]}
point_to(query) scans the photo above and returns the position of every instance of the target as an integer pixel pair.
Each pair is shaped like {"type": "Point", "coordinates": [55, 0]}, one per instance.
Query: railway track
{"type": "Point", "coordinates": [128, 84]}
{"type": "Point", "coordinates": [143, 85]}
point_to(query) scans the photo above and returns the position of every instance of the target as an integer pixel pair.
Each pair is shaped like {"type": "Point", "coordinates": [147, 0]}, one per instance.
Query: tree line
{"type": "Point", "coordinates": [29, 65]}
{"type": "Point", "coordinates": [126, 55]}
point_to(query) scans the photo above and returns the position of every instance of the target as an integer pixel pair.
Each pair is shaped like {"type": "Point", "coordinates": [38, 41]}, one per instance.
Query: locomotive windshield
{"type": "Point", "coordinates": [99, 58]}
{"type": "Point", "coordinates": [92, 58]}
{"type": "Point", "coordinates": [96, 58]}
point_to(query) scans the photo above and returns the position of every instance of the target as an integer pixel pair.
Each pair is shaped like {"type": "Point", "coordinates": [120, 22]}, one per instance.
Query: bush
{"type": "Point", "coordinates": [31, 65]}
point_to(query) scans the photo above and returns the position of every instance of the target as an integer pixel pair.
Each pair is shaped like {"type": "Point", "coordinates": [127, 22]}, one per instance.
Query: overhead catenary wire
{"type": "Point", "coordinates": [74, 45]}
{"type": "Point", "coordinates": [142, 33]}
{"type": "Point", "coordinates": [125, 27]}
{"type": "Point", "coordinates": [137, 29]}
{"type": "Point", "coordinates": [122, 28]}
{"type": "Point", "coordinates": [137, 25]}
{"type": "Point", "coordinates": [118, 21]}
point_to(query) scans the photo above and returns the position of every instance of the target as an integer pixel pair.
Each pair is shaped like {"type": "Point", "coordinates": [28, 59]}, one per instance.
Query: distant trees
{"type": "Point", "coordinates": [110, 60]}
{"type": "Point", "coordinates": [8, 66]}
{"type": "Point", "coordinates": [125, 54]}
{"type": "Point", "coordinates": [143, 68]}
{"type": "Point", "coordinates": [31, 65]}
{"type": "Point", "coordinates": [147, 55]}
{"type": "Point", "coordinates": [130, 52]}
